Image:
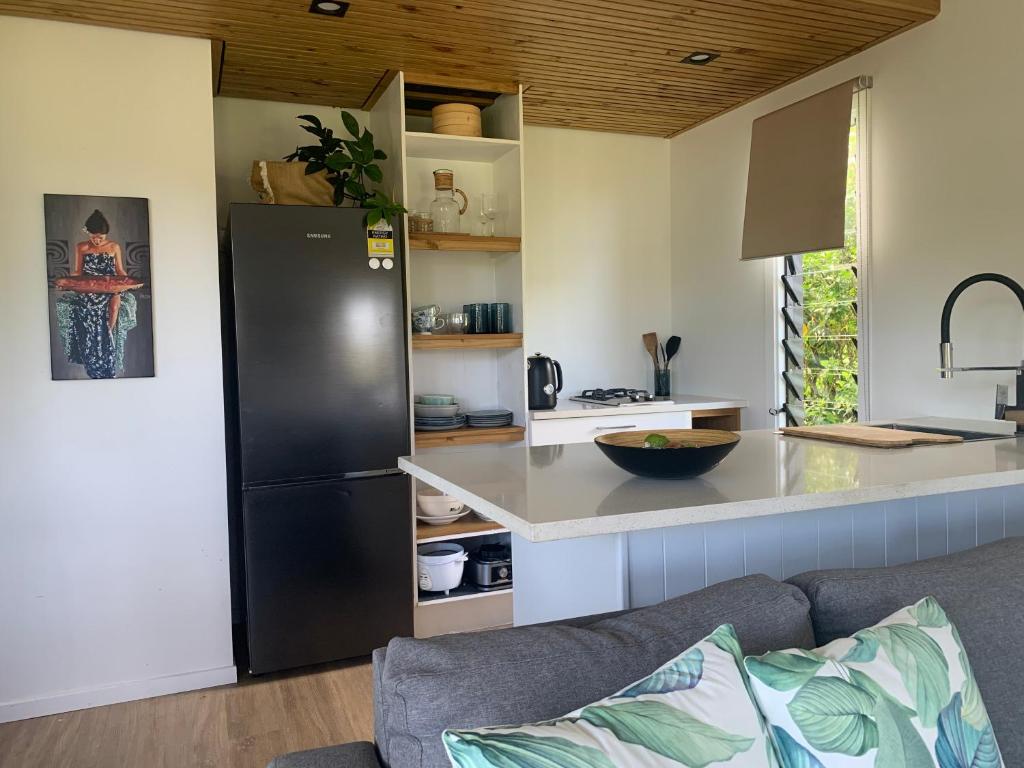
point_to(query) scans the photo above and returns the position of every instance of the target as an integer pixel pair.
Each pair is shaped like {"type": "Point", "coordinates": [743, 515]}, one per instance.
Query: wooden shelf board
{"type": "Point", "coordinates": [440, 241]}
{"type": "Point", "coordinates": [717, 418]}
{"type": "Point", "coordinates": [470, 436]}
{"type": "Point", "coordinates": [462, 592]}
{"type": "Point", "coordinates": [468, 341]}
{"type": "Point", "coordinates": [460, 529]}
{"type": "Point", "coordinates": [466, 148]}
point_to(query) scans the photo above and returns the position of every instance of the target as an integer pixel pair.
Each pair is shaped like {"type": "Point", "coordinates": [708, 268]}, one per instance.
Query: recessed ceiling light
{"type": "Point", "coordinates": [329, 7]}
{"type": "Point", "coordinates": [700, 58]}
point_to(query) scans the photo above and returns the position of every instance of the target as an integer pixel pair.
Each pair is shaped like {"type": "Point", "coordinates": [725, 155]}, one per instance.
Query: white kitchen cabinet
{"type": "Point", "coordinates": [584, 429]}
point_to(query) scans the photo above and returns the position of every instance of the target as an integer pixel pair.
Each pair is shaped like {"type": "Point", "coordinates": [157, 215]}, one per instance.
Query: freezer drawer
{"type": "Point", "coordinates": [328, 570]}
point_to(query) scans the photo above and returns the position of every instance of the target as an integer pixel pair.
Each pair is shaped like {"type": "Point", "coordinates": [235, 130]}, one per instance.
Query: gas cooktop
{"type": "Point", "coordinates": [617, 396]}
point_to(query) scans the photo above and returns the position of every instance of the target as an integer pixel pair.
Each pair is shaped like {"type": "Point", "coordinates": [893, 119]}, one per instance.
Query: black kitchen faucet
{"type": "Point", "coordinates": [946, 347]}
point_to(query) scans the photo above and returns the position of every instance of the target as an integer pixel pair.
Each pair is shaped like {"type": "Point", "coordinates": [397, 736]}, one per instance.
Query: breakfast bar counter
{"type": "Point", "coordinates": [589, 537]}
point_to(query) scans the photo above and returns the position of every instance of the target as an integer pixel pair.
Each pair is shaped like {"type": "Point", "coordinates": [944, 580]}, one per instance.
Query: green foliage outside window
{"type": "Point", "coordinates": [830, 320]}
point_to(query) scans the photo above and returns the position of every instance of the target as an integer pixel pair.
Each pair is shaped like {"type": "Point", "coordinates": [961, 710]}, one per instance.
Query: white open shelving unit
{"type": "Point", "coordinates": [442, 536]}
{"type": "Point", "coordinates": [457, 148]}
{"type": "Point", "coordinates": [459, 595]}
{"type": "Point", "coordinates": [481, 373]}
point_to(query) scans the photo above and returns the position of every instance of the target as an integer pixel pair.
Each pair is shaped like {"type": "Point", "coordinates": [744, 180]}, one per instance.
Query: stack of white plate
{"type": "Point", "coordinates": [435, 424]}
{"type": "Point", "coordinates": [497, 417]}
{"type": "Point", "coordinates": [435, 411]}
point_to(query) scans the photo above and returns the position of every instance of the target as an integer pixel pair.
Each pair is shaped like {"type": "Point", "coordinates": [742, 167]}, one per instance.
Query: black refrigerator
{"type": "Point", "coordinates": [317, 413]}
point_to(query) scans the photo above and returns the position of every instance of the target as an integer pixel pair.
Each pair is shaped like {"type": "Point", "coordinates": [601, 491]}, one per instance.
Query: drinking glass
{"type": "Point", "coordinates": [443, 323]}
{"type": "Point", "coordinates": [457, 322]}
{"type": "Point", "coordinates": [489, 209]}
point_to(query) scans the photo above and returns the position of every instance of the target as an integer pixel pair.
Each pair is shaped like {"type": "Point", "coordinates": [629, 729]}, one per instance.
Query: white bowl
{"type": "Point", "coordinates": [435, 411]}
{"type": "Point", "coordinates": [436, 399]}
{"type": "Point", "coordinates": [438, 504]}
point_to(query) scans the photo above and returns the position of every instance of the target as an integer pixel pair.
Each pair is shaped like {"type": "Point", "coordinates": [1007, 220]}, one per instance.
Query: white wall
{"type": "Point", "coordinates": [113, 522]}
{"type": "Point", "coordinates": [597, 253]}
{"type": "Point", "coordinates": [947, 200]}
{"type": "Point", "coordinates": [597, 234]}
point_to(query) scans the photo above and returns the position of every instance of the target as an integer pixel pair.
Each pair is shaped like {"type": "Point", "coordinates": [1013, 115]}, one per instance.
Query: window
{"type": "Point", "coordinates": [821, 318]}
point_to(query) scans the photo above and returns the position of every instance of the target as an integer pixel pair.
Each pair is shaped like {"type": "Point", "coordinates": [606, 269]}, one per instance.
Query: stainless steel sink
{"type": "Point", "coordinates": [969, 436]}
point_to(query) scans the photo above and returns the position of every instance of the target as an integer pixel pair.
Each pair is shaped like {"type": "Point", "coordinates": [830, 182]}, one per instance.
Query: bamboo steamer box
{"type": "Point", "coordinates": [456, 119]}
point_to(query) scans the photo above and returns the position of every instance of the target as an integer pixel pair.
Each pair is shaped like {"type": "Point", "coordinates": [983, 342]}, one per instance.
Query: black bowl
{"type": "Point", "coordinates": [700, 450]}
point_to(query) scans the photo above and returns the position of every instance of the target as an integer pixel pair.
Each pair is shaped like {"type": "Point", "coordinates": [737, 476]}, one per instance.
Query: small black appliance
{"type": "Point", "coordinates": [490, 566]}
{"type": "Point", "coordinates": [544, 382]}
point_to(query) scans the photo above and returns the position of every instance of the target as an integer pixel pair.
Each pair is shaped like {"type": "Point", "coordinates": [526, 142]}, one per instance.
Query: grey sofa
{"type": "Point", "coordinates": [527, 674]}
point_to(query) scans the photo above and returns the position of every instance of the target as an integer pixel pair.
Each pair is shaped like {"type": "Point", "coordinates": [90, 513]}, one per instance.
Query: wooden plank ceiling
{"type": "Point", "coordinates": [585, 63]}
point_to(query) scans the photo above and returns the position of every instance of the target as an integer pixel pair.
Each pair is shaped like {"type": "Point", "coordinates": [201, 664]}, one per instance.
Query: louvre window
{"type": "Point", "coordinates": [821, 315]}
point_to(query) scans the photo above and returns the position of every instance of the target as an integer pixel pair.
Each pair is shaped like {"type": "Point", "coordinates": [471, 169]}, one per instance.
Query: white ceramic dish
{"type": "Point", "coordinates": [436, 399]}
{"type": "Point", "coordinates": [439, 427]}
{"type": "Point", "coordinates": [438, 504]}
{"type": "Point", "coordinates": [441, 520]}
{"type": "Point", "coordinates": [502, 423]}
{"type": "Point", "coordinates": [435, 411]}
{"type": "Point", "coordinates": [437, 421]}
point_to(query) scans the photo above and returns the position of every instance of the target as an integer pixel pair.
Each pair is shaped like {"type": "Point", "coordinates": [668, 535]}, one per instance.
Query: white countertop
{"type": "Point", "coordinates": [569, 409]}
{"type": "Point", "coordinates": [567, 491]}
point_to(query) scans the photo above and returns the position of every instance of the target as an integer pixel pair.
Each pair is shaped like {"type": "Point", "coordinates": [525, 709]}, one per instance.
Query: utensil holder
{"type": "Point", "coordinates": [662, 383]}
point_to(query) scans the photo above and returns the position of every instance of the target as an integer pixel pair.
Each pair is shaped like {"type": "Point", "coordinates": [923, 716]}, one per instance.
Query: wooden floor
{"type": "Point", "coordinates": [237, 726]}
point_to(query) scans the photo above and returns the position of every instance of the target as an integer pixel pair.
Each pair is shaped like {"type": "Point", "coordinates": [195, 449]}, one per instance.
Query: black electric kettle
{"type": "Point", "coordinates": [543, 382]}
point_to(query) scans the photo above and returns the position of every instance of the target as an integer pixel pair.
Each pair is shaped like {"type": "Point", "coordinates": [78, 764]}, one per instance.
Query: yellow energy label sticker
{"type": "Point", "coordinates": [380, 242]}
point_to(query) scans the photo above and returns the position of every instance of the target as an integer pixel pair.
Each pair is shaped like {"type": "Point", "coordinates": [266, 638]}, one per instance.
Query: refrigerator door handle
{"type": "Point", "coordinates": [315, 480]}
{"type": "Point", "coordinates": [371, 473]}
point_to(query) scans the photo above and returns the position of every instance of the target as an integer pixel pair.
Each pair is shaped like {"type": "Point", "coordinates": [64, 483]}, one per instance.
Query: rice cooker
{"type": "Point", "coordinates": [439, 566]}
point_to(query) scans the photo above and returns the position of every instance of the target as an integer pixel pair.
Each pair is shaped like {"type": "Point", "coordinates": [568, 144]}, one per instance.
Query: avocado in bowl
{"type": "Point", "coordinates": [668, 453]}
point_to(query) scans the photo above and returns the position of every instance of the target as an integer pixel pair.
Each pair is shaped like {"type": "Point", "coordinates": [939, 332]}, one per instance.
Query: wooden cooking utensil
{"type": "Point", "coordinates": [651, 343]}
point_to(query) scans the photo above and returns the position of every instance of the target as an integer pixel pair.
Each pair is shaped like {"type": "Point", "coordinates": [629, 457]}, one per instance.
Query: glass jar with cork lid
{"type": "Point", "coordinates": [445, 211]}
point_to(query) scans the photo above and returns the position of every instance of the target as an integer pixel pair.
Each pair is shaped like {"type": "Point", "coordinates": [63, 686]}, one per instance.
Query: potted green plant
{"type": "Point", "coordinates": [348, 165]}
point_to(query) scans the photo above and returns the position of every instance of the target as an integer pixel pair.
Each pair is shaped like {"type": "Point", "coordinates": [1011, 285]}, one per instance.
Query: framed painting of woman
{"type": "Point", "coordinates": [100, 287]}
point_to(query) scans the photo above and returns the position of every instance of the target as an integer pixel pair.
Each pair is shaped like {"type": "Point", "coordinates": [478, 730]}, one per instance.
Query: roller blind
{"type": "Point", "coordinates": [796, 183]}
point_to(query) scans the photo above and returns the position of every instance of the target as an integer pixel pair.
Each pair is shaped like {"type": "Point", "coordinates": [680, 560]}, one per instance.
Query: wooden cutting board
{"type": "Point", "coordinates": [876, 437]}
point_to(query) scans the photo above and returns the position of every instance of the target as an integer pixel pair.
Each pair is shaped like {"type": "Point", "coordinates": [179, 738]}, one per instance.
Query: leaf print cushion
{"type": "Point", "coordinates": [695, 711]}
{"type": "Point", "coordinates": [900, 694]}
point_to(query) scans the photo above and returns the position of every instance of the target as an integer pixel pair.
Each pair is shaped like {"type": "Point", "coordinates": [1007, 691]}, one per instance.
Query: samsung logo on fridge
{"type": "Point", "coordinates": [318, 235]}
